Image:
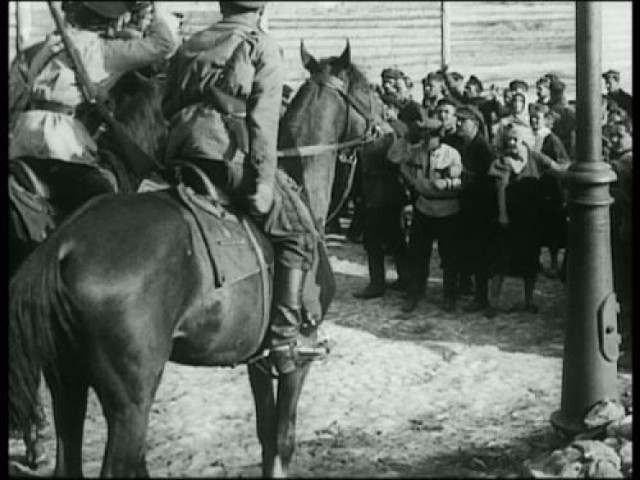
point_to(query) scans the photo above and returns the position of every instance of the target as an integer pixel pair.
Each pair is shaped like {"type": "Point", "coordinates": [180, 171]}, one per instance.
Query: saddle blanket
{"type": "Point", "coordinates": [230, 238]}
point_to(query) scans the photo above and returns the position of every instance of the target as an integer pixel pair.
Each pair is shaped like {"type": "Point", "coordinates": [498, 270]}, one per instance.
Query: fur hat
{"type": "Point", "coordinates": [110, 10]}
{"type": "Point", "coordinates": [248, 5]}
{"type": "Point", "coordinates": [473, 80]}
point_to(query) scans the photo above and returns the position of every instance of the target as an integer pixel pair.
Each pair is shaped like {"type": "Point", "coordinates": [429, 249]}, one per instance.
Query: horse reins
{"type": "Point", "coordinates": [311, 150]}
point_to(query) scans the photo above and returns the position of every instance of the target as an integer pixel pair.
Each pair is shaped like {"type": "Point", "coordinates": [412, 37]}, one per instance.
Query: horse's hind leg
{"type": "Point", "coordinates": [266, 416]}
{"type": "Point", "coordinates": [289, 389]}
{"type": "Point", "coordinates": [33, 440]}
{"type": "Point", "coordinates": [69, 398]}
{"type": "Point", "coordinates": [126, 408]}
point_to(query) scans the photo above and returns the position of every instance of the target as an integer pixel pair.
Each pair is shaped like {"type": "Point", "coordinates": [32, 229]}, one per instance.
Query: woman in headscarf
{"type": "Point", "coordinates": [518, 115]}
{"type": "Point", "coordinates": [516, 245]}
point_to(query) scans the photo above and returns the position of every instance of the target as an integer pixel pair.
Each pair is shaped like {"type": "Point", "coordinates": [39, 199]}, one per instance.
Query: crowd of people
{"type": "Point", "coordinates": [483, 172]}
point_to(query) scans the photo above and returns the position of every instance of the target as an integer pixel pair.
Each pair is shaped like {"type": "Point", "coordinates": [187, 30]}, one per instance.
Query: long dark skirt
{"type": "Point", "coordinates": [516, 248]}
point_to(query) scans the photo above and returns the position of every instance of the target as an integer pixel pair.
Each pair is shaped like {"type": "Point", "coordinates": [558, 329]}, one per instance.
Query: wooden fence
{"type": "Point", "coordinates": [497, 41]}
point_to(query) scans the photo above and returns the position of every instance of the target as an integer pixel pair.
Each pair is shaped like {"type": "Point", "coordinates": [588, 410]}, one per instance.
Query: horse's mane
{"type": "Point", "coordinates": [357, 79]}
{"type": "Point", "coordinates": [137, 106]}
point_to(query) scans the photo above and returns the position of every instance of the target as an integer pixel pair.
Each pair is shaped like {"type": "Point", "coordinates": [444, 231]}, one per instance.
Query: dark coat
{"type": "Point", "coordinates": [622, 99]}
{"type": "Point", "coordinates": [381, 185]}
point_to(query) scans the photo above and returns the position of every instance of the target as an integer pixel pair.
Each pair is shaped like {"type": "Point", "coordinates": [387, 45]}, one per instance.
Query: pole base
{"type": "Point", "coordinates": [566, 427]}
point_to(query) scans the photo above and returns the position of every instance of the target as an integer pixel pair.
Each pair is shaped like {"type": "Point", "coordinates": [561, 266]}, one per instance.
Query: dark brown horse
{"type": "Point", "coordinates": [44, 192]}
{"type": "Point", "coordinates": [122, 287]}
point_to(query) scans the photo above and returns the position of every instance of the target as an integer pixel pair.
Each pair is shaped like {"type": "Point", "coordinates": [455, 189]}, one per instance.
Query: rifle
{"type": "Point", "coordinates": [19, 45]}
{"type": "Point", "coordinates": [136, 158]}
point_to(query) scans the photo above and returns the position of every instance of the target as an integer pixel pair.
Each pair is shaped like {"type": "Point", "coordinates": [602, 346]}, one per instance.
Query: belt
{"type": "Point", "coordinates": [52, 107]}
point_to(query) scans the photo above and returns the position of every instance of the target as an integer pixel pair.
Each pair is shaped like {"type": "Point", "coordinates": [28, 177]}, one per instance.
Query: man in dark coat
{"type": "Point", "coordinates": [550, 91]}
{"type": "Point", "coordinates": [622, 221]}
{"type": "Point", "coordinates": [384, 197]}
{"type": "Point", "coordinates": [433, 89]}
{"type": "Point", "coordinates": [477, 207]}
{"type": "Point", "coordinates": [486, 102]}
{"type": "Point", "coordinates": [614, 93]}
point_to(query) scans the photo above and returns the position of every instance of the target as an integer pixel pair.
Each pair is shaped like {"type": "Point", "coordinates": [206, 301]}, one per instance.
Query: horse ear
{"type": "Point", "coordinates": [345, 58]}
{"type": "Point", "coordinates": [310, 63]}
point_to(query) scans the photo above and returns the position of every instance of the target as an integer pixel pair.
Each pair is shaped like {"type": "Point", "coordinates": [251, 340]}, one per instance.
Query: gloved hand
{"type": "Point", "coordinates": [262, 200]}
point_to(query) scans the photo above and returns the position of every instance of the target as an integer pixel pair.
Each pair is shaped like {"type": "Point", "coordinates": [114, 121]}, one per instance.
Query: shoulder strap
{"type": "Point", "coordinates": [41, 59]}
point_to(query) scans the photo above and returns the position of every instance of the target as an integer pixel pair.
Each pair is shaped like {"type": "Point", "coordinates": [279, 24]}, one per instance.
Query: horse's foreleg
{"type": "Point", "coordinates": [289, 389]}
{"type": "Point", "coordinates": [266, 416]}
{"type": "Point", "coordinates": [69, 399]}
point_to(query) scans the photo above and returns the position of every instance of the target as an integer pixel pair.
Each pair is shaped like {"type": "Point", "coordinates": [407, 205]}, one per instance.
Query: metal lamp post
{"type": "Point", "coordinates": [591, 341]}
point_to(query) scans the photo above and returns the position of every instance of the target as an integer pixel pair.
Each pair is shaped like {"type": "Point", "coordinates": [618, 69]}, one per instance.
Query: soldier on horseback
{"type": "Point", "coordinates": [223, 97]}
{"type": "Point", "coordinates": [45, 94]}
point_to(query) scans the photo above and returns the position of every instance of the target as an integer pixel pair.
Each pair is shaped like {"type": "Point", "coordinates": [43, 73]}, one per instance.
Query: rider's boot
{"type": "Point", "coordinates": [377, 286]}
{"type": "Point", "coordinates": [285, 341]}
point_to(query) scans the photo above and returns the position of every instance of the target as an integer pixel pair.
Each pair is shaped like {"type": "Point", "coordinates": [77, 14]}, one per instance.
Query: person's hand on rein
{"type": "Point", "coordinates": [262, 200]}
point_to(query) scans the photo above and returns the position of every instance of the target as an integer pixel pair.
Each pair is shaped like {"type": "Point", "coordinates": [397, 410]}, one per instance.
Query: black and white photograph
{"type": "Point", "coordinates": [320, 239]}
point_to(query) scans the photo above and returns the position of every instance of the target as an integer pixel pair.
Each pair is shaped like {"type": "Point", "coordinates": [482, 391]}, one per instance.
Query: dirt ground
{"type": "Point", "coordinates": [427, 394]}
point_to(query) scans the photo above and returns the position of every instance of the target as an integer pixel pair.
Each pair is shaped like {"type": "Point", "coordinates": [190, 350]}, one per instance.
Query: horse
{"type": "Point", "coordinates": [37, 188]}
{"type": "Point", "coordinates": [123, 286]}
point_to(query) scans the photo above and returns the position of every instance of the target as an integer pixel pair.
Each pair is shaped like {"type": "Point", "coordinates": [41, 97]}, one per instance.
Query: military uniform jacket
{"type": "Point", "coordinates": [244, 62]}
{"type": "Point", "coordinates": [44, 133]}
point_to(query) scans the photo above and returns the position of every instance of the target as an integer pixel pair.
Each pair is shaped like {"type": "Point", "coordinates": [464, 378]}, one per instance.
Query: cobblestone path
{"type": "Point", "coordinates": [425, 394]}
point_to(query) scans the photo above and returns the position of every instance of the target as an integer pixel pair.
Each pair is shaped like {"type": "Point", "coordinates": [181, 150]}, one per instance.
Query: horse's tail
{"type": "Point", "coordinates": [39, 320]}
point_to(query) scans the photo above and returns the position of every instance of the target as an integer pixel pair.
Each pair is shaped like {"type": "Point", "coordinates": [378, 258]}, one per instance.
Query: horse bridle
{"type": "Point", "coordinates": [342, 147]}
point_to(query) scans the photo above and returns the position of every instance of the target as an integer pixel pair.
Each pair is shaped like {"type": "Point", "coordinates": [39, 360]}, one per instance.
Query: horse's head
{"type": "Point", "coordinates": [334, 106]}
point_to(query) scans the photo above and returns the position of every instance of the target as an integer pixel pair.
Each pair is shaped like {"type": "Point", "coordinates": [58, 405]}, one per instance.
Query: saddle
{"type": "Point", "coordinates": [43, 191]}
{"type": "Point", "coordinates": [236, 247]}
{"type": "Point", "coordinates": [29, 197]}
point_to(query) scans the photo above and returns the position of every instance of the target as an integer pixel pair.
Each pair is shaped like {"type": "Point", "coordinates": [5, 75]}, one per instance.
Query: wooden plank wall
{"type": "Point", "coordinates": [404, 35]}
{"type": "Point", "coordinates": [500, 41]}
{"type": "Point", "coordinates": [497, 41]}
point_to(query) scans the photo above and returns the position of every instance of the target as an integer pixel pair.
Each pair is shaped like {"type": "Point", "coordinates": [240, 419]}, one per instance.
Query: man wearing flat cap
{"type": "Point", "coordinates": [431, 171]}
{"type": "Point", "coordinates": [433, 89]}
{"type": "Point", "coordinates": [476, 203]}
{"type": "Point", "coordinates": [383, 198]}
{"type": "Point", "coordinates": [388, 79]}
{"type": "Point", "coordinates": [222, 98]}
{"type": "Point", "coordinates": [615, 94]}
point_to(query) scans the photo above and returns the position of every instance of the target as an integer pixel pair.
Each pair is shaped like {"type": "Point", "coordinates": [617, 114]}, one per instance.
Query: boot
{"type": "Point", "coordinates": [285, 341]}
{"type": "Point", "coordinates": [403, 273]}
{"type": "Point", "coordinates": [376, 285]}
